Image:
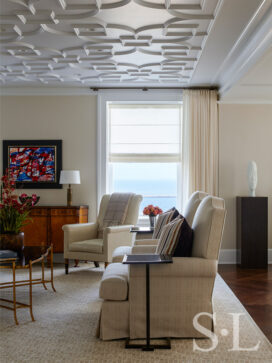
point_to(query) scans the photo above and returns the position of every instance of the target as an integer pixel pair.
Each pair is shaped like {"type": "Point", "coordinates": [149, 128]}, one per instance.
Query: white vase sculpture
{"type": "Point", "coordinates": [252, 177]}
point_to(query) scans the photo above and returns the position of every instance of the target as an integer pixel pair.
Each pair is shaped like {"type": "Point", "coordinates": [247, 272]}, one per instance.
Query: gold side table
{"type": "Point", "coordinates": [30, 256]}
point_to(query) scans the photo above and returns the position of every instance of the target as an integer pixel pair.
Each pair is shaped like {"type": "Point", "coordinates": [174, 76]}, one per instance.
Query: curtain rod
{"type": "Point", "coordinates": [95, 89]}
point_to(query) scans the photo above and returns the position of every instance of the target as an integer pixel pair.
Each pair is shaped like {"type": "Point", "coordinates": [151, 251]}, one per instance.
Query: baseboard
{"type": "Point", "coordinates": [229, 256]}
{"type": "Point", "coordinates": [270, 256]}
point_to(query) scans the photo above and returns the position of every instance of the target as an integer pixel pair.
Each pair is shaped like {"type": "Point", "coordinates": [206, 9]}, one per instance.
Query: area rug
{"type": "Point", "coordinates": [65, 326]}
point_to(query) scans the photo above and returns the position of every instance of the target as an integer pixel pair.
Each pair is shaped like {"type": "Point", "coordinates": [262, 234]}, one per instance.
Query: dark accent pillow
{"type": "Point", "coordinates": [175, 214]}
{"type": "Point", "coordinates": [184, 243]}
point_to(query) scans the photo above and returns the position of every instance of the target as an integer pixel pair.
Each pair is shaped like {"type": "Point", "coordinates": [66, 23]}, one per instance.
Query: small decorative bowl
{"type": "Point", "coordinates": [28, 200]}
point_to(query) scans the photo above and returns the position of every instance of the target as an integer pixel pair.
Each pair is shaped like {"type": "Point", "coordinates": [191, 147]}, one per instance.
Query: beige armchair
{"type": "Point", "coordinates": [81, 241]}
{"type": "Point", "coordinates": [178, 291]}
{"type": "Point", "coordinates": [150, 244]}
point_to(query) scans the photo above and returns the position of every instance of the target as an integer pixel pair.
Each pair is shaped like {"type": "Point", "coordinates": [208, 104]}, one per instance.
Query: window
{"type": "Point", "coordinates": [144, 151]}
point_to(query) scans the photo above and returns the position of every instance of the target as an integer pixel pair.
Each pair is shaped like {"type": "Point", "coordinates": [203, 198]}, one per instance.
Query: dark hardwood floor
{"type": "Point", "coordinates": [253, 287]}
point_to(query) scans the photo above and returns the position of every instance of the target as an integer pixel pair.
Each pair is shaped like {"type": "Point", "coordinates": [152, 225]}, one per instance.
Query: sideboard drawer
{"type": "Point", "coordinates": [39, 212]}
{"type": "Point", "coordinates": [64, 212]}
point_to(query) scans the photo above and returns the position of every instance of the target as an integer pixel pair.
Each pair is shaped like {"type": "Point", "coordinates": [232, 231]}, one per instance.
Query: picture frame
{"type": "Point", "coordinates": [33, 164]}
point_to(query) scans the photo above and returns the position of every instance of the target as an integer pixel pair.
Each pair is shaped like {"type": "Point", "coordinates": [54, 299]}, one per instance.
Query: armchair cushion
{"type": "Point", "coordinates": [93, 246]}
{"type": "Point", "coordinates": [114, 284]}
{"type": "Point", "coordinates": [120, 252]}
{"type": "Point", "coordinates": [145, 242]}
{"type": "Point", "coordinates": [141, 250]}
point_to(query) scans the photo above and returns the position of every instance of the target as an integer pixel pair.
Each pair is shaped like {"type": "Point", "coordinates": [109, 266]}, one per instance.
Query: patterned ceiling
{"type": "Point", "coordinates": [94, 42]}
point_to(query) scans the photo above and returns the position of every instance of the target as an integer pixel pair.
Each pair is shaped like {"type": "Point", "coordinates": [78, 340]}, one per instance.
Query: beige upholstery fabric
{"type": "Point", "coordinates": [116, 315]}
{"type": "Point", "coordinates": [178, 291]}
{"type": "Point", "coordinates": [188, 213]}
{"type": "Point", "coordinates": [120, 252]}
{"type": "Point", "coordinates": [208, 227]}
{"type": "Point", "coordinates": [192, 205]}
{"type": "Point", "coordinates": [114, 284]}
{"type": "Point", "coordinates": [92, 245]}
{"type": "Point", "coordinates": [81, 242]}
{"type": "Point", "coordinates": [139, 250]}
{"type": "Point", "coordinates": [116, 211]}
{"type": "Point", "coordinates": [145, 242]}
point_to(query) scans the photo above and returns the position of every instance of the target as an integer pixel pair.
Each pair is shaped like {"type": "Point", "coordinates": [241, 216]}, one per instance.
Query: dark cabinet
{"type": "Point", "coordinates": [252, 231]}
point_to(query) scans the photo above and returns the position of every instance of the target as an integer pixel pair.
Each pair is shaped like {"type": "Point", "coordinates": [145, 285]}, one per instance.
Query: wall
{"type": "Point", "coordinates": [70, 118]}
{"type": "Point", "coordinates": [245, 133]}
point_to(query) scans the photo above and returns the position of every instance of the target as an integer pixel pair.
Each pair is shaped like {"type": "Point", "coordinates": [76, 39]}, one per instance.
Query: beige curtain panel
{"type": "Point", "coordinates": [200, 142]}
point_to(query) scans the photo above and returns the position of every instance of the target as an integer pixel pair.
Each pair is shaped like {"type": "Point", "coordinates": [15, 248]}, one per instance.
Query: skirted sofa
{"type": "Point", "coordinates": [178, 291]}
{"type": "Point", "coordinates": [189, 213]}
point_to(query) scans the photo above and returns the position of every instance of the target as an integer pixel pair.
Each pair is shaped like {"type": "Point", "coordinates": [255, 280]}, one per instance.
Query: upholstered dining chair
{"type": "Point", "coordinates": [86, 242]}
{"type": "Point", "coordinates": [148, 245]}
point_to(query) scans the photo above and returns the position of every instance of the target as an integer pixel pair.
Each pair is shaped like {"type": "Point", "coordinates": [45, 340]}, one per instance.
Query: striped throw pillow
{"type": "Point", "coordinates": [162, 220]}
{"type": "Point", "coordinates": [169, 237]}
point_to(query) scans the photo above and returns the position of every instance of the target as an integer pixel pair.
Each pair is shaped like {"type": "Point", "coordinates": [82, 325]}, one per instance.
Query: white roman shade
{"type": "Point", "coordinates": [144, 132]}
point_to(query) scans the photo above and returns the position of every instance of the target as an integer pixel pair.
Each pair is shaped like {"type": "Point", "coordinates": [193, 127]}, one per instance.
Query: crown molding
{"type": "Point", "coordinates": [46, 91]}
{"type": "Point", "coordinates": [248, 49]}
{"type": "Point", "coordinates": [245, 101]}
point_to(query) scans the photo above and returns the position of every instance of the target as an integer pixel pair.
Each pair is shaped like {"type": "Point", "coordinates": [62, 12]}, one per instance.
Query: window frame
{"type": "Point", "coordinates": [125, 97]}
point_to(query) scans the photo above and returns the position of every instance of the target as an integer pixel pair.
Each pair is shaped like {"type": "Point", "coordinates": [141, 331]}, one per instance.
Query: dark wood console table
{"type": "Point", "coordinates": [47, 221]}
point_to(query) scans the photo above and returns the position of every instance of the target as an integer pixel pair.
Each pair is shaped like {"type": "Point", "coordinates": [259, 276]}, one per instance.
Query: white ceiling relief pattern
{"type": "Point", "coordinates": [94, 42]}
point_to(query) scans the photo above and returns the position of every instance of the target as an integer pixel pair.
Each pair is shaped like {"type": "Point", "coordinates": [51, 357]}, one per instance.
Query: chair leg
{"type": "Point", "coordinates": [66, 266]}
{"type": "Point", "coordinates": [96, 264]}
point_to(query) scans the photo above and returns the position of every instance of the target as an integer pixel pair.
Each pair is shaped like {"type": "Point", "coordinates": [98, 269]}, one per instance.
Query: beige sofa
{"type": "Point", "coordinates": [178, 291]}
{"type": "Point", "coordinates": [189, 213]}
{"type": "Point", "coordinates": [81, 241]}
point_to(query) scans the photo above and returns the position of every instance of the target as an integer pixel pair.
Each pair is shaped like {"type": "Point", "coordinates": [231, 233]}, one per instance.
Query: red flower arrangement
{"type": "Point", "coordinates": [152, 211]}
{"type": "Point", "coordinates": [13, 214]}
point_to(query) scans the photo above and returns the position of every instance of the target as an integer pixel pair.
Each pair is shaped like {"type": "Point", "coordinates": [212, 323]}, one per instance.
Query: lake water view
{"type": "Point", "coordinates": [161, 193]}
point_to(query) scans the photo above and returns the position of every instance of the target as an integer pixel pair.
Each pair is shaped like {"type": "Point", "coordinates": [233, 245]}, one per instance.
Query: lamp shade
{"type": "Point", "coordinates": [69, 177]}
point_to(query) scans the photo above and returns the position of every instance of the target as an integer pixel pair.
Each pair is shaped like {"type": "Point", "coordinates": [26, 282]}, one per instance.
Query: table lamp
{"type": "Point", "coordinates": [69, 177]}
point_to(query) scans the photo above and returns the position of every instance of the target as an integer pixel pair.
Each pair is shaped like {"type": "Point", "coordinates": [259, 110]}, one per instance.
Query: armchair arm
{"type": "Point", "coordinates": [117, 229]}
{"type": "Point", "coordinates": [78, 232]}
{"type": "Point", "coordinates": [143, 249]}
{"type": "Point", "coordinates": [145, 242]}
{"type": "Point", "coordinates": [116, 236]}
{"type": "Point", "coordinates": [181, 267]}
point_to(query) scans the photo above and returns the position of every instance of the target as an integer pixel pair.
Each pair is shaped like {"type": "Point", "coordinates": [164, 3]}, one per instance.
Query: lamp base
{"type": "Point", "coordinates": [69, 196]}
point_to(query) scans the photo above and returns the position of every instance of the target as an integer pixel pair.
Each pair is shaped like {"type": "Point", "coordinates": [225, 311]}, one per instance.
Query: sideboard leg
{"type": "Point", "coordinates": [96, 264]}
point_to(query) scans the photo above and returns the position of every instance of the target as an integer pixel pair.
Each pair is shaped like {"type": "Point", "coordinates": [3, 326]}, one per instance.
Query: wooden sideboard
{"type": "Point", "coordinates": [47, 221]}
